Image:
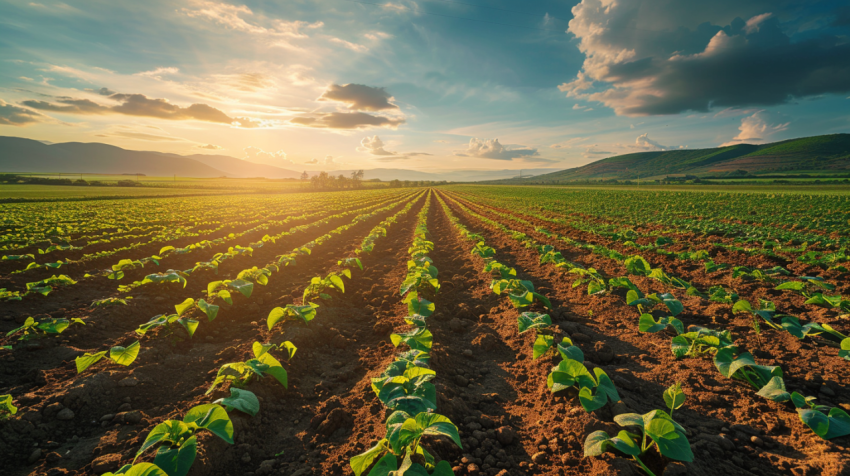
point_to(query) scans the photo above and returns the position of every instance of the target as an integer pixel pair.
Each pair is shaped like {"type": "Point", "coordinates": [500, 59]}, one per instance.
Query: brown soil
{"type": "Point", "coordinates": [487, 382]}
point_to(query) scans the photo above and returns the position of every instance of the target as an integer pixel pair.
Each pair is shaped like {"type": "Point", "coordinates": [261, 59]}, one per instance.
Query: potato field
{"type": "Point", "coordinates": [467, 330]}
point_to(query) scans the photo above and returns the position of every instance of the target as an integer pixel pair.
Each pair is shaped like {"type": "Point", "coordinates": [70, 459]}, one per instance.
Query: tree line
{"type": "Point", "coordinates": [326, 181]}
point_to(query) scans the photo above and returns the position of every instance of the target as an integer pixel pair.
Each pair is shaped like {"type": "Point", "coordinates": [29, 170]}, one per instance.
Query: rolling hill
{"type": "Point", "coordinates": [18, 155]}
{"type": "Point", "coordinates": [827, 153]}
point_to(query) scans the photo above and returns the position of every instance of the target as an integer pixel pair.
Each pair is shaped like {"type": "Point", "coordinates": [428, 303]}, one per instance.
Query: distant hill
{"type": "Point", "coordinates": [827, 153]}
{"type": "Point", "coordinates": [19, 155]}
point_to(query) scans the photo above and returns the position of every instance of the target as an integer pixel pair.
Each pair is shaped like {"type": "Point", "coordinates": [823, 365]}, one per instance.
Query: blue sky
{"type": "Point", "coordinates": [426, 84]}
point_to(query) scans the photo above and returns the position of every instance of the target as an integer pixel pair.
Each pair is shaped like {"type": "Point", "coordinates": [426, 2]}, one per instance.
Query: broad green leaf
{"type": "Point", "coordinates": [177, 461]}
{"type": "Point", "coordinates": [775, 390]}
{"type": "Point", "coordinates": [433, 424]}
{"type": "Point", "coordinates": [674, 397]}
{"type": "Point", "coordinates": [141, 469]}
{"type": "Point", "coordinates": [242, 400]}
{"type": "Point", "coordinates": [541, 345]}
{"type": "Point", "coordinates": [244, 287]}
{"type": "Point", "coordinates": [362, 461]}
{"type": "Point", "coordinates": [570, 351]}
{"type": "Point", "coordinates": [211, 310]}
{"type": "Point", "coordinates": [184, 306]}
{"type": "Point", "coordinates": [7, 405]}
{"type": "Point", "coordinates": [276, 315]}
{"type": "Point", "coordinates": [168, 431]}
{"type": "Point", "coordinates": [671, 442]}
{"type": "Point", "coordinates": [337, 282]}
{"type": "Point", "coordinates": [189, 324]}
{"type": "Point", "coordinates": [533, 320]}
{"type": "Point", "coordinates": [598, 443]}
{"type": "Point", "coordinates": [386, 466]}
{"type": "Point", "coordinates": [213, 418]}
{"type": "Point", "coordinates": [87, 360]}
{"type": "Point", "coordinates": [125, 356]}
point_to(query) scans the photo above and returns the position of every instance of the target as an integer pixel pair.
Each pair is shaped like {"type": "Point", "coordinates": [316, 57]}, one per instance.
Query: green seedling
{"type": "Point", "coordinates": [120, 355]}
{"type": "Point", "coordinates": [141, 469]}
{"type": "Point", "coordinates": [45, 286]}
{"type": "Point", "coordinates": [699, 341]}
{"type": "Point", "coordinates": [240, 399]}
{"type": "Point", "coordinates": [402, 442]}
{"type": "Point", "coordinates": [421, 275]}
{"type": "Point", "coordinates": [168, 322]}
{"type": "Point", "coordinates": [111, 301]}
{"type": "Point", "coordinates": [53, 326]}
{"type": "Point", "coordinates": [570, 373]}
{"type": "Point", "coordinates": [644, 303]}
{"type": "Point", "coordinates": [721, 295]}
{"type": "Point", "coordinates": [742, 366]}
{"type": "Point", "coordinates": [412, 391]}
{"type": "Point", "coordinates": [655, 429]}
{"type": "Point", "coordinates": [825, 422]}
{"type": "Point", "coordinates": [240, 373]}
{"type": "Point", "coordinates": [7, 407]}
{"type": "Point", "coordinates": [520, 292]}
{"type": "Point", "coordinates": [318, 286]}
{"type": "Point", "coordinates": [176, 440]}
{"type": "Point", "coordinates": [304, 312]}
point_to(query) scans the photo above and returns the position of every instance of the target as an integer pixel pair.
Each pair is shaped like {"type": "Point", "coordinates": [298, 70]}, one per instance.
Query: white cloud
{"type": "Point", "coordinates": [233, 17]}
{"type": "Point", "coordinates": [568, 144]}
{"type": "Point", "coordinates": [158, 73]}
{"type": "Point", "coordinates": [756, 130]}
{"type": "Point", "coordinates": [492, 149]}
{"type": "Point", "coordinates": [644, 142]}
{"type": "Point", "coordinates": [255, 154]}
{"type": "Point", "coordinates": [351, 46]}
{"type": "Point", "coordinates": [373, 145]}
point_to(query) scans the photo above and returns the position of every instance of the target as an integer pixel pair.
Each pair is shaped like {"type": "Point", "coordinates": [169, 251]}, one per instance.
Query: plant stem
{"type": "Point", "coordinates": [643, 466]}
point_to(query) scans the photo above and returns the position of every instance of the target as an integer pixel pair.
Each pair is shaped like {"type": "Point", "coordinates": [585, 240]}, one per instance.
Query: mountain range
{"type": "Point", "coordinates": [19, 155]}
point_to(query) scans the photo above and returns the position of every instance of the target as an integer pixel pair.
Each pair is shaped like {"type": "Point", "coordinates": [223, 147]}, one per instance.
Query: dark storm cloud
{"type": "Point", "coordinates": [760, 61]}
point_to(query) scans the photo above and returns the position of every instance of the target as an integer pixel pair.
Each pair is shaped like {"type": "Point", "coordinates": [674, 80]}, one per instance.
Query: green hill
{"type": "Point", "coordinates": [819, 154]}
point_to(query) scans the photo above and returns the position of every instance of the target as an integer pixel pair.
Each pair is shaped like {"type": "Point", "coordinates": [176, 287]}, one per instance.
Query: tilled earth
{"type": "Point", "coordinates": [487, 381]}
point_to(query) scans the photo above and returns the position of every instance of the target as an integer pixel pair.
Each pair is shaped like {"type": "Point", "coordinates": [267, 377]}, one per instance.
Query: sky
{"type": "Point", "coordinates": [430, 85]}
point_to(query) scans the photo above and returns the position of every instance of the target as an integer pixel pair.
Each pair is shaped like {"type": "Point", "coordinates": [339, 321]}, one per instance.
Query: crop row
{"type": "Point", "coordinates": [176, 441]}
{"type": "Point", "coordinates": [731, 361]}
{"type": "Point", "coordinates": [812, 288]}
{"type": "Point", "coordinates": [405, 387]}
{"type": "Point", "coordinates": [793, 246]}
{"type": "Point", "coordinates": [263, 222]}
{"type": "Point", "coordinates": [45, 286]}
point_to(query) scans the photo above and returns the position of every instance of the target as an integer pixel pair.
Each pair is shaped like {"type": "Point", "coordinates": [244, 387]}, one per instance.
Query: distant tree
{"type": "Point", "coordinates": [305, 175]}
{"type": "Point", "coordinates": [357, 178]}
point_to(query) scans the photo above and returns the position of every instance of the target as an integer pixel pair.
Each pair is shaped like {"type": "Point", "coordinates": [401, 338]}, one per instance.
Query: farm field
{"type": "Point", "coordinates": [468, 330]}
